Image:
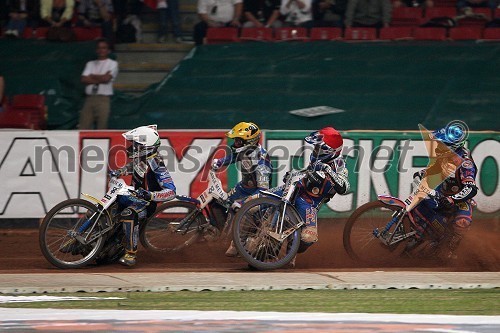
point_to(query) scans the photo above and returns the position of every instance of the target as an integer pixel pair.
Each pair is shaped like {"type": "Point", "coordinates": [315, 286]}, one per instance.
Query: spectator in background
{"type": "Point", "coordinates": [216, 13]}
{"type": "Point", "coordinates": [169, 10]}
{"type": "Point", "coordinates": [368, 13]}
{"type": "Point", "coordinates": [56, 13]}
{"type": "Point", "coordinates": [413, 3]}
{"type": "Point", "coordinates": [261, 13]}
{"type": "Point", "coordinates": [466, 6]}
{"type": "Point", "coordinates": [298, 13]}
{"type": "Point", "coordinates": [98, 76]}
{"type": "Point", "coordinates": [20, 13]}
{"type": "Point", "coordinates": [95, 13]}
{"type": "Point", "coordinates": [329, 13]}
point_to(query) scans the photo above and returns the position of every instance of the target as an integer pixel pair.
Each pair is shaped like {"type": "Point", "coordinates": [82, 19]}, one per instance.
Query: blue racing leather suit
{"type": "Point", "coordinates": [152, 175]}
{"type": "Point", "coordinates": [454, 198]}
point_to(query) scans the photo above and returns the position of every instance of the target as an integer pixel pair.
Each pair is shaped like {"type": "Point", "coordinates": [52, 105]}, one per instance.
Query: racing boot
{"type": "Point", "coordinates": [231, 250]}
{"type": "Point", "coordinates": [129, 259]}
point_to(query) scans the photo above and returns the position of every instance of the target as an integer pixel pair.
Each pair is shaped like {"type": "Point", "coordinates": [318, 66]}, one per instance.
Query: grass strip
{"type": "Point", "coordinates": [455, 302]}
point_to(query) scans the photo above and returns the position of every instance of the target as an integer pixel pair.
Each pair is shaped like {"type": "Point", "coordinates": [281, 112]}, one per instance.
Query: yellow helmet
{"type": "Point", "coordinates": [244, 134]}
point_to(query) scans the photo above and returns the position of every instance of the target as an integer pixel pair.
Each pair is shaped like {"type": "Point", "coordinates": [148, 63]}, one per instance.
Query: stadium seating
{"type": "Point", "coordinates": [83, 33]}
{"type": "Point", "coordinates": [406, 16]}
{"type": "Point", "coordinates": [429, 34]}
{"type": "Point", "coordinates": [290, 34]}
{"type": "Point", "coordinates": [491, 34]}
{"type": "Point", "coordinates": [465, 33]}
{"type": "Point", "coordinates": [25, 109]}
{"type": "Point", "coordinates": [439, 12]}
{"type": "Point", "coordinates": [38, 33]}
{"type": "Point", "coordinates": [256, 34]}
{"type": "Point", "coordinates": [396, 33]}
{"type": "Point", "coordinates": [16, 119]}
{"type": "Point", "coordinates": [484, 15]}
{"type": "Point", "coordinates": [326, 33]}
{"type": "Point", "coordinates": [360, 34]}
{"type": "Point", "coordinates": [222, 35]}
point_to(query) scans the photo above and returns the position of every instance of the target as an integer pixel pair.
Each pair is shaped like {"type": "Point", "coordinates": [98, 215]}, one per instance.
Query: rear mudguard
{"type": "Point", "coordinates": [393, 201]}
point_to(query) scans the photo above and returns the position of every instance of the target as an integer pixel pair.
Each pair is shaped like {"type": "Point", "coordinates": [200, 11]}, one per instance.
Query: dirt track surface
{"type": "Point", "coordinates": [479, 251]}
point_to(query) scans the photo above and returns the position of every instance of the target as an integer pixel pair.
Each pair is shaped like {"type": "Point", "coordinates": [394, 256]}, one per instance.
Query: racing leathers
{"type": "Point", "coordinates": [255, 167]}
{"type": "Point", "coordinates": [453, 202]}
{"type": "Point", "coordinates": [153, 183]}
{"type": "Point", "coordinates": [320, 183]}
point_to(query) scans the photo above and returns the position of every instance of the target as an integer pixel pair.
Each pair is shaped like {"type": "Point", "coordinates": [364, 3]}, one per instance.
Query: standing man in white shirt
{"type": "Point", "coordinates": [217, 13]}
{"type": "Point", "coordinates": [98, 76]}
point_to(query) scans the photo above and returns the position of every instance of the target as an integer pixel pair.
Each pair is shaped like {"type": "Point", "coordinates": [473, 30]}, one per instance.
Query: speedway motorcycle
{"type": "Point", "coordinates": [78, 232]}
{"type": "Point", "coordinates": [179, 223]}
{"type": "Point", "coordinates": [382, 231]}
{"type": "Point", "coordinates": [266, 230]}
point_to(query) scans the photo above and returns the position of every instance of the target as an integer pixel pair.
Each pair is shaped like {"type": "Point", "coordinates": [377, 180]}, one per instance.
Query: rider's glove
{"type": "Point", "coordinates": [144, 194]}
{"type": "Point", "coordinates": [419, 174]}
{"type": "Point", "coordinates": [445, 203]}
{"type": "Point", "coordinates": [216, 164]}
{"type": "Point", "coordinates": [286, 176]}
{"type": "Point", "coordinates": [114, 173]}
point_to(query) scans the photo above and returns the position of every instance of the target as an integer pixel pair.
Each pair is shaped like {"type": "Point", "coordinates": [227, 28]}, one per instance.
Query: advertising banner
{"type": "Point", "coordinates": [40, 169]}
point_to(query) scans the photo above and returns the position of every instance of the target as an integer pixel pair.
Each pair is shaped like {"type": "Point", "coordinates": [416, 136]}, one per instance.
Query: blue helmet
{"type": "Point", "coordinates": [452, 135]}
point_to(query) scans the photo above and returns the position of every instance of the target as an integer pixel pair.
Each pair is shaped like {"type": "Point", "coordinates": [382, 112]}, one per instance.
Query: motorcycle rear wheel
{"type": "Point", "coordinates": [251, 234]}
{"type": "Point", "coordinates": [168, 231]}
{"type": "Point", "coordinates": [57, 244]}
{"type": "Point", "coordinates": [359, 240]}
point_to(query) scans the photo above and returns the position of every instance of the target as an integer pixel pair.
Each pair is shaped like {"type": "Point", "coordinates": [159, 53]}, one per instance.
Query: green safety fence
{"type": "Point", "coordinates": [379, 85]}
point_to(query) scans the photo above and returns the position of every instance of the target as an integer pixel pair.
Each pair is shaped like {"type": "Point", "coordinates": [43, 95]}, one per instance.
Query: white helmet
{"type": "Point", "coordinates": [146, 141]}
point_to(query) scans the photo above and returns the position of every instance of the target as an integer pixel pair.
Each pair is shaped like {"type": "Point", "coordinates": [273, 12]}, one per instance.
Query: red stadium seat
{"type": "Point", "coordinates": [439, 12]}
{"type": "Point", "coordinates": [360, 34]}
{"type": "Point", "coordinates": [496, 13]}
{"type": "Point", "coordinates": [290, 34]}
{"type": "Point", "coordinates": [29, 101]}
{"type": "Point", "coordinates": [31, 104]}
{"type": "Point", "coordinates": [16, 119]}
{"type": "Point", "coordinates": [406, 16]}
{"type": "Point", "coordinates": [326, 33]}
{"type": "Point", "coordinates": [429, 33]}
{"type": "Point", "coordinates": [256, 34]}
{"type": "Point", "coordinates": [465, 33]}
{"type": "Point", "coordinates": [396, 33]}
{"type": "Point", "coordinates": [222, 35]}
{"type": "Point", "coordinates": [83, 33]}
{"type": "Point", "coordinates": [491, 33]}
{"type": "Point", "coordinates": [483, 15]}
{"type": "Point", "coordinates": [38, 33]}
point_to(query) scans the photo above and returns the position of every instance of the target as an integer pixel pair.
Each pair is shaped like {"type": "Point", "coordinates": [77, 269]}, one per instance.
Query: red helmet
{"type": "Point", "coordinates": [327, 143]}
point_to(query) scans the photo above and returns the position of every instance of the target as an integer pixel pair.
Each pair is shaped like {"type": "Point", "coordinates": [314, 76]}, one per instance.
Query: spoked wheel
{"type": "Point", "coordinates": [174, 225]}
{"type": "Point", "coordinates": [64, 228]}
{"type": "Point", "coordinates": [254, 226]}
{"type": "Point", "coordinates": [359, 234]}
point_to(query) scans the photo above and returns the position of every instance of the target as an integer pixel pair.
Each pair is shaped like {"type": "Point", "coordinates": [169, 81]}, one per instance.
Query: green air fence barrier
{"type": "Point", "coordinates": [379, 85]}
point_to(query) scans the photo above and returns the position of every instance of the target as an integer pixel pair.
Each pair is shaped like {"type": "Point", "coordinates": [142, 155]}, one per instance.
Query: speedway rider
{"type": "Point", "coordinates": [453, 197]}
{"type": "Point", "coordinates": [254, 164]}
{"type": "Point", "coordinates": [326, 175]}
{"type": "Point", "coordinates": [151, 180]}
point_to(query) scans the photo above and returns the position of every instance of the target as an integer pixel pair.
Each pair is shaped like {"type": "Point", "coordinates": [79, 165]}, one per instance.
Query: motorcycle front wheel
{"type": "Point", "coordinates": [253, 228]}
{"type": "Point", "coordinates": [62, 228]}
{"type": "Point", "coordinates": [359, 238]}
{"type": "Point", "coordinates": [174, 226]}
